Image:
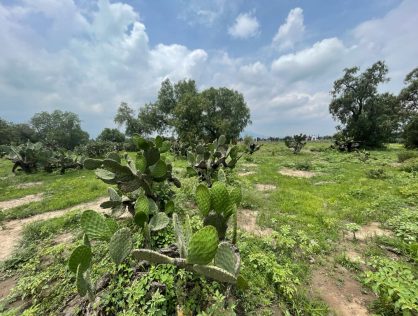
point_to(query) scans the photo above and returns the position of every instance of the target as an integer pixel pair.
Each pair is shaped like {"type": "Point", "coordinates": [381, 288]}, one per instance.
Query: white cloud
{"type": "Point", "coordinates": [310, 62]}
{"type": "Point", "coordinates": [291, 32]}
{"type": "Point", "coordinates": [103, 56]}
{"type": "Point", "coordinates": [245, 26]}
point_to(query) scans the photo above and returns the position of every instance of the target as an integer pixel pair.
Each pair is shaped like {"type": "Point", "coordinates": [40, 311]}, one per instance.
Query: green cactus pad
{"type": "Point", "coordinates": [120, 245]}
{"type": "Point", "coordinates": [81, 256]}
{"type": "Point", "coordinates": [140, 142]}
{"type": "Point", "coordinates": [226, 258]}
{"type": "Point", "coordinates": [140, 163]}
{"type": "Point", "coordinates": [114, 196]}
{"type": "Point", "coordinates": [95, 226]}
{"type": "Point", "coordinates": [130, 186]}
{"type": "Point", "coordinates": [142, 205]}
{"type": "Point", "coordinates": [203, 199]}
{"type": "Point", "coordinates": [191, 172]}
{"type": "Point", "coordinates": [169, 207]}
{"type": "Point", "coordinates": [159, 221]}
{"type": "Point", "coordinates": [178, 233]}
{"type": "Point", "coordinates": [221, 140]}
{"type": "Point", "coordinates": [165, 146]}
{"type": "Point", "coordinates": [140, 218]}
{"type": "Point", "coordinates": [203, 245]}
{"type": "Point", "coordinates": [82, 285]}
{"type": "Point", "coordinates": [151, 256]}
{"type": "Point", "coordinates": [114, 156]}
{"type": "Point", "coordinates": [109, 204]}
{"type": "Point", "coordinates": [92, 164]}
{"type": "Point", "coordinates": [159, 169]}
{"type": "Point", "coordinates": [112, 225]}
{"type": "Point", "coordinates": [221, 176]}
{"type": "Point", "coordinates": [152, 155]}
{"type": "Point", "coordinates": [215, 273]}
{"type": "Point", "coordinates": [236, 195]}
{"type": "Point", "coordinates": [218, 221]}
{"type": "Point", "coordinates": [219, 197]}
{"type": "Point", "coordinates": [105, 175]}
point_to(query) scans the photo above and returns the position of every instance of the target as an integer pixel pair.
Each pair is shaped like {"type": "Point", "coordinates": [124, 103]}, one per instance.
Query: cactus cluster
{"type": "Point", "coordinates": [31, 157]}
{"type": "Point", "coordinates": [217, 204]}
{"type": "Point", "coordinates": [345, 143]}
{"type": "Point", "coordinates": [250, 145]}
{"type": "Point", "coordinates": [208, 159]}
{"type": "Point", "coordinates": [200, 252]}
{"type": "Point", "coordinates": [146, 175]}
{"type": "Point", "coordinates": [296, 142]}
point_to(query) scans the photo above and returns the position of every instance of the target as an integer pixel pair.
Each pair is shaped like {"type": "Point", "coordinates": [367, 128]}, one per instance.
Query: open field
{"type": "Point", "coordinates": [297, 252]}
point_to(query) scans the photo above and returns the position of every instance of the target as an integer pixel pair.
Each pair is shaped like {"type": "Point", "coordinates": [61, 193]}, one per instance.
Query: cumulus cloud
{"type": "Point", "coordinates": [245, 26]}
{"type": "Point", "coordinates": [291, 32]}
{"type": "Point", "coordinates": [88, 60]}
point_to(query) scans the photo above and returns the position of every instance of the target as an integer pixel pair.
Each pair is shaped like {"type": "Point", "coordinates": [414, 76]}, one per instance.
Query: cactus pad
{"type": "Point", "coordinates": [215, 273]}
{"type": "Point", "coordinates": [105, 175]}
{"type": "Point", "coordinates": [92, 164]}
{"type": "Point", "coordinates": [203, 199]}
{"type": "Point", "coordinates": [80, 258]}
{"type": "Point", "coordinates": [159, 221]}
{"type": "Point", "coordinates": [219, 197]}
{"type": "Point", "coordinates": [159, 169]}
{"type": "Point", "coordinates": [114, 196]}
{"type": "Point", "coordinates": [236, 195]}
{"type": "Point", "coordinates": [142, 205]}
{"type": "Point", "coordinates": [227, 259]}
{"type": "Point", "coordinates": [120, 245]}
{"type": "Point", "coordinates": [152, 155]}
{"type": "Point", "coordinates": [95, 226]}
{"type": "Point", "coordinates": [140, 163]}
{"type": "Point", "coordinates": [82, 285]}
{"type": "Point", "coordinates": [203, 245]}
{"type": "Point", "coordinates": [140, 218]}
{"type": "Point", "coordinates": [151, 256]}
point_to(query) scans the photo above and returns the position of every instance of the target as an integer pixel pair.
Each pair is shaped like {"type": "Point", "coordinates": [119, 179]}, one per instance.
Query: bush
{"type": "Point", "coordinates": [405, 155]}
{"type": "Point", "coordinates": [395, 285]}
{"type": "Point", "coordinates": [376, 174]}
{"type": "Point", "coordinates": [411, 165]}
{"type": "Point", "coordinates": [411, 133]}
{"type": "Point", "coordinates": [304, 165]}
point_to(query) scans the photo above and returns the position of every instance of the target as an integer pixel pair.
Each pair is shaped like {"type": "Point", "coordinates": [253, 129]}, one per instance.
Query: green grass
{"type": "Point", "coordinates": [308, 216]}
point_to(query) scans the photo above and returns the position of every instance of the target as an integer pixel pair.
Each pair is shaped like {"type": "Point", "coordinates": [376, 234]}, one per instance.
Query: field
{"type": "Point", "coordinates": [320, 232]}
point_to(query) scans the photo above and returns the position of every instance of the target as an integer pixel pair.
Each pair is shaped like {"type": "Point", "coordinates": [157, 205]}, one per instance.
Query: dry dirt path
{"type": "Point", "coordinates": [11, 232]}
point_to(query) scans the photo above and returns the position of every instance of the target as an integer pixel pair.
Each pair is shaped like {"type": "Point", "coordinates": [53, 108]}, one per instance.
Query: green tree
{"type": "Point", "coordinates": [126, 116]}
{"type": "Point", "coordinates": [61, 129]}
{"type": "Point", "coordinates": [16, 133]}
{"type": "Point", "coordinates": [365, 115]}
{"type": "Point", "coordinates": [194, 115]}
{"type": "Point", "coordinates": [111, 135]}
{"type": "Point", "coordinates": [408, 98]}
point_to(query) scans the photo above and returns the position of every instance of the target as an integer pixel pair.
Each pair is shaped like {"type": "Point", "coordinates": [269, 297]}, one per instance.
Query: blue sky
{"type": "Point", "coordinates": [88, 56]}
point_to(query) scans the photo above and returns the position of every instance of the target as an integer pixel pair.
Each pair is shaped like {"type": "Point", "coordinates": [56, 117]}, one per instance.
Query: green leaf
{"type": "Point", "coordinates": [91, 163]}
{"type": "Point", "coordinates": [158, 141]}
{"type": "Point", "coordinates": [159, 169]}
{"type": "Point", "coordinates": [140, 163]}
{"type": "Point", "coordinates": [95, 226]}
{"type": "Point", "coordinates": [226, 258]}
{"type": "Point", "coordinates": [120, 245]}
{"type": "Point", "coordinates": [140, 218]}
{"type": "Point", "coordinates": [140, 142]}
{"type": "Point", "coordinates": [142, 205]}
{"type": "Point", "coordinates": [114, 196]}
{"type": "Point", "coordinates": [82, 285]}
{"type": "Point", "coordinates": [80, 258]}
{"type": "Point", "coordinates": [165, 146]}
{"type": "Point", "coordinates": [104, 174]}
{"type": "Point", "coordinates": [169, 207]}
{"type": "Point", "coordinates": [191, 172]}
{"type": "Point", "coordinates": [159, 221]}
{"type": "Point", "coordinates": [215, 273]}
{"type": "Point", "coordinates": [203, 245]}
{"type": "Point", "coordinates": [203, 199]}
{"type": "Point", "coordinates": [236, 195]}
{"type": "Point", "coordinates": [219, 197]}
{"type": "Point", "coordinates": [152, 155]}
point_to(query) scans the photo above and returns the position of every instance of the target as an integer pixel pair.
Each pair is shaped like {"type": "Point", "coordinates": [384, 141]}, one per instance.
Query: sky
{"type": "Point", "coordinates": [88, 56]}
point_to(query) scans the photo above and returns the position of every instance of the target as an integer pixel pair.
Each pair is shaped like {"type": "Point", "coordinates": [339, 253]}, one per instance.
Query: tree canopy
{"type": "Point", "coordinates": [408, 98]}
{"type": "Point", "coordinates": [192, 115]}
{"type": "Point", "coordinates": [367, 116]}
{"type": "Point", "coordinates": [111, 135]}
{"type": "Point", "coordinates": [61, 129]}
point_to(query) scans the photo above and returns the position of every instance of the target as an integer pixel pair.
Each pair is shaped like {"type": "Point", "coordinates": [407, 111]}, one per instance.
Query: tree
{"type": "Point", "coordinates": [111, 135]}
{"type": "Point", "coordinates": [194, 115]}
{"type": "Point", "coordinates": [367, 116]}
{"type": "Point", "coordinates": [126, 116]}
{"type": "Point", "coordinates": [408, 98]}
{"type": "Point", "coordinates": [60, 129]}
{"type": "Point", "coordinates": [16, 133]}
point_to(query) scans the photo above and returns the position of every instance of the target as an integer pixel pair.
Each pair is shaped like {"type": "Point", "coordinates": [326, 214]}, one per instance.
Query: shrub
{"type": "Point", "coordinates": [405, 155]}
{"type": "Point", "coordinates": [304, 165]}
{"type": "Point", "coordinates": [395, 285]}
{"type": "Point", "coordinates": [411, 165]}
{"type": "Point", "coordinates": [296, 142]}
{"type": "Point", "coordinates": [411, 133]}
{"type": "Point", "coordinates": [376, 173]}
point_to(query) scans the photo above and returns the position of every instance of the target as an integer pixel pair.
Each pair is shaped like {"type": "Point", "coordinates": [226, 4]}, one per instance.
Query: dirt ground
{"type": "Point", "coordinates": [247, 221]}
{"type": "Point", "coordinates": [296, 173]}
{"type": "Point", "coordinates": [4, 205]}
{"type": "Point", "coordinates": [265, 187]}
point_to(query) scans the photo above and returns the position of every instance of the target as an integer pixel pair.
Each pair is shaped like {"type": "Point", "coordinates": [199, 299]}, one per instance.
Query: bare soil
{"type": "Point", "coordinates": [245, 174]}
{"type": "Point", "coordinates": [247, 221]}
{"type": "Point", "coordinates": [11, 233]}
{"type": "Point", "coordinates": [6, 285]}
{"type": "Point", "coordinates": [28, 185]}
{"type": "Point", "coordinates": [344, 295]}
{"type": "Point", "coordinates": [371, 230]}
{"type": "Point", "coordinates": [4, 205]}
{"type": "Point", "coordinates": [265, 187]}
{"type": "Point", "coordinates": [249, 165]}
{"type": "Point", "coordinates": [296, 173]}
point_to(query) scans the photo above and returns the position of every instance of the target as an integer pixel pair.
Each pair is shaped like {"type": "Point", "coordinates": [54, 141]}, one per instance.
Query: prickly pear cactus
{"type": "Point", "coordinates": [215, 273]}
{"type": "Point", "coordinates": [120, 245]}
{"type": "Point", "coordinates": [151, 256]}
{"type": "Point", "coordinates": [226, 258]}
{"type": "Point", "coordinates": [203, 245]}
{"type": "Point", "coordinates": [95, 226]}
{"type": "Point", "coordinates": [203, 199]}
{"type": "Point", "coordinates": [80, 259]}
{"type": "Point", "coordinates": [159, 221]}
